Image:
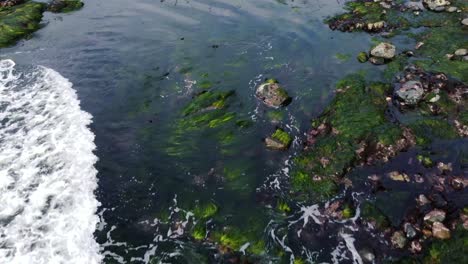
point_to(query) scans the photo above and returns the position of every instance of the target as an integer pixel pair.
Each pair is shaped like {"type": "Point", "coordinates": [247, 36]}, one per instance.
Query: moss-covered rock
{"type": "Point", "coordinates": [64, 6]}
{"type": "Point", "coordinates": [427, 129]}
{"type": "Point", "coordinates": [279, 140]}
{"type": "Point", "coordinates": [19, 21]}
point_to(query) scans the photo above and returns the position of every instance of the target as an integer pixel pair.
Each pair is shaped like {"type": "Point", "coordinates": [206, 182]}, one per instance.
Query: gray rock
{"type": "Point", "coordinates": [461, 52]}
{"type": "Point", "coordinates": [367, 256]}
{"type": "Point", "coordinates": [398, 240]}
{"type": "Point", "coordinates": [435, 5]}
{"type": "Point", "coordinates": [465, 22]}
{"type": "Point", "coordinates": [384, 50]}
{"type": "Point", "coordinates": [435, 215]}
{"type": "Point", "coordinates": [451, 9]}
{"type": "Point", "coordinates": [274, 144]}
{"type": "Point", "coordinates": [410, 92]}
{"type": "Point", "coordinates": [377, 61]}
{"type": "Point", "coordinates": [409, 230]}
{"type": "Point", "coordinates": [272, 94]}
{"type": "Point", "coordinates": [440, 231]}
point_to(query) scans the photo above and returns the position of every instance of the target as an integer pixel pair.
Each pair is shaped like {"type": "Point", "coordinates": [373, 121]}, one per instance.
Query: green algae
{"type": "Point", "coordinates": [65, 6]}
{"type": "Point", "coordinates": [199, 232]}
{"type": "Point", "coordinates": [208, 117]}
{"type": "Point", "coordinates": [205, 211]}
{"type": "Point", "coordinates": [454, 250]}
{"type": "Point", "coordinates": [234, 238]}
{"type": "Point", "coordinates": [362, 57]}
{"type": "Point", "coordinates": [355, 116]}
{"type": "Point", "coordinates": [427, 129]}
{"type": "Point", "coordinates": [275, 116]}
{"type": "Point", "coordinates": [19, 21]}
{"type": "Point", "coordinates": [437, 43]}
{"type": "Point", "coordinates": [425, 161]}
{"type": "Point", "coordinates": [283, 206]}
{"type": "Point", "coordinates": [282, 137]}
{"type": "Point", "coordinates": [371, 213]}
{"type": "Point", "coordinates": [207, 100]}
{"type": "Point", "coordinates": [343, 56]}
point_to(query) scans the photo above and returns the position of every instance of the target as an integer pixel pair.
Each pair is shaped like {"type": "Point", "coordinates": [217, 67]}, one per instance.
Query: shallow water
{"type": "Point", "coordinates": [135, 64]}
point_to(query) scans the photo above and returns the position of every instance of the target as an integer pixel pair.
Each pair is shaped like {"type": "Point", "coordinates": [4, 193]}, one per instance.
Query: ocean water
{"type": "Point", "coordinates": [88, 113]}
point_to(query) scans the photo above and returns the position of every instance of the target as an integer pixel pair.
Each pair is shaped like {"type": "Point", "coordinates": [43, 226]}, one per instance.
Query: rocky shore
{"type": "Point", "coordinates": [20, 18]}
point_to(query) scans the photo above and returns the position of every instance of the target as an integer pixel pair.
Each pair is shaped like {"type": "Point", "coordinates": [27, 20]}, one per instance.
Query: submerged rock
{"type": "Point", "coordinates": [384, 50]}
{"type": "Point", "coordinates": [398, 239]}
{"type": "Point", "coordinates": [362, 57]}
{"type": "Point", "coordinates": [272, 94]}
{"type": "Point", "coordinates": [410, 92]}
{"type": "Point", "coordinates": [377, 60]}
{"type": "Point", "coordinates": [440, 231]}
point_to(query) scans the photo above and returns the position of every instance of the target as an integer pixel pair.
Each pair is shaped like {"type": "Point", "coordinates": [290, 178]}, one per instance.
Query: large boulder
{"type": "Point", "coordinates": [272, 94]}
{"type": "Point", "coordinates": [384, 50]}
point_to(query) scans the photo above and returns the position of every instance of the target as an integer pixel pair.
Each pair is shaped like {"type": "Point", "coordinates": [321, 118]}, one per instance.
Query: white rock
{"type": "Point", "coordinates": [384, 50]}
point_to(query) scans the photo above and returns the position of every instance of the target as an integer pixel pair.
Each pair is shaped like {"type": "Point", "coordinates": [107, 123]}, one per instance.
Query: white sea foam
{"type": "Point", "coordinates": [47, 174]}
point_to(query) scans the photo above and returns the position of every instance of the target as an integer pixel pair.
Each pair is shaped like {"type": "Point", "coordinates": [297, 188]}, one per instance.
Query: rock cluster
{"type": "Point", "coordinates": [381, 54]}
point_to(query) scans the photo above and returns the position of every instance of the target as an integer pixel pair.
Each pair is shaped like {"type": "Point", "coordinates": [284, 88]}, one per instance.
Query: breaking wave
{"type": "Point", "coordinates": [47, 173]}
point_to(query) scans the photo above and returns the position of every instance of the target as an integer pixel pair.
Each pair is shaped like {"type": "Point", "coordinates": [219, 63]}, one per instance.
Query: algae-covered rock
{"type": "Point", "coordinates": [272, 94]}
{"type": "Point", "coordinates": [280, 140]}
{"type": "Point", "coordinates": [362, 57]}
{"type": "Point", "coordinates": [427, 129]}
{"type": "Point", "coordinates": [64, 6]}
{"type": "Point", "coordinates": [18, 21]}
{"type": "Point", "coordinates": [346, 134]}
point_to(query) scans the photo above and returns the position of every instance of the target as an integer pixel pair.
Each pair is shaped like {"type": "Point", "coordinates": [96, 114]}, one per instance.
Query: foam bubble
{"type": "Point", "coordinates": [47, 174]}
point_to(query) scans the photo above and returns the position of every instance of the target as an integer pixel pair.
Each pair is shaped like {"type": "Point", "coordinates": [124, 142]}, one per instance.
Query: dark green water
{"type": "Point", "coordinates": [136, 64]}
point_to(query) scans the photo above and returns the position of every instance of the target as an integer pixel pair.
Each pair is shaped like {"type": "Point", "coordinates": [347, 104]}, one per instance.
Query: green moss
{"type": "Point", "coordinates": [426, 161]}
{"type": "Point", "coordinates": [275, 116]}
{"type": "Point", "coordinates": [427, 129]}
{"type": "Point", "coordinates": [356, 115]}
{"type": "Point", "coordinates": [234, 239]}
{"type": "Point", "coordinates": [19, 21]}
{"type": "Point", "coordinates": [362, 57]}
{"type": "Point", "coordinates": [199, 232]}
{"type": "Point", "coordinates": [206, 101]}
{"type": "Point", "coordinates": [281, 136]}
{"type": "Point", "coordinates": [395, 66]}
{"type": "Point", "coordinates": [283, 206]}
{"type": "Point", "coordinates": [65, 6]}
{"type": "Point", "coordinates": [205, 211]}
{"type": "Point", "coordinates": [436, 47]}
{"type": "Point", "coordinates": [371, 213]}
{"type": "Point", "coordinates": [348, 212]}
{"type": "Point", "coordinates": [342, 56]}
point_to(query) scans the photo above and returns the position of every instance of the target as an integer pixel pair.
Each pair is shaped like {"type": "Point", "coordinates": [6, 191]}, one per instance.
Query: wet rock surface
{"type": "Point", "coordinates": [272, 94]}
